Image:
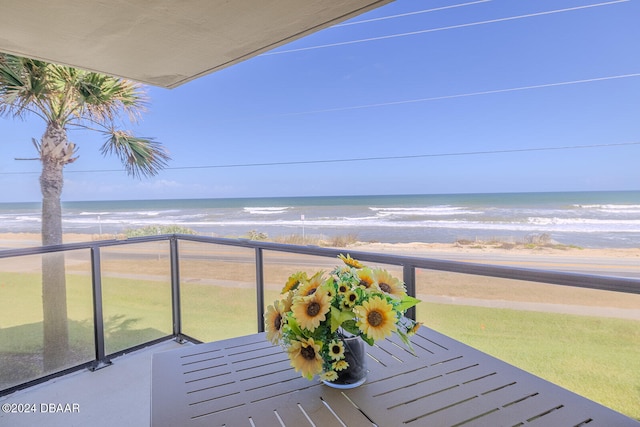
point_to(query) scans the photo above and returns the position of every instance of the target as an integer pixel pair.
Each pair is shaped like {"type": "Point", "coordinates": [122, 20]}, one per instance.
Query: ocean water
{"type": "Point", "coordinates": [587, 219]}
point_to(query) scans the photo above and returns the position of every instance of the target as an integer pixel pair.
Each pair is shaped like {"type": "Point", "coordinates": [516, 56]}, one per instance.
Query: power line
{"type": "Point", "coordinates": [409, 156]}
{"type": "Point", "coordinates": [402, 15]}
{"type": "Point", "coordinates": [365, 159]}
{"type": "Point", "coordinates": [451, 27]}
{"type": "Point", "coordinates": [462, 95]}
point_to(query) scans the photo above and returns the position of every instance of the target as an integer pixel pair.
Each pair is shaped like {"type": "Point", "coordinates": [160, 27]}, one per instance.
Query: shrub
{"type": "Point", "coordinates": [255, 235]}
{"type": "Point", "coordinates": [153, 230]}
{"type": "Point", "coordinates": [341, 241]}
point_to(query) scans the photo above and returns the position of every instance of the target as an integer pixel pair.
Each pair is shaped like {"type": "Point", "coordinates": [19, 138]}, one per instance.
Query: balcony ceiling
{"type": "Point", "coordinates": [162, 42]}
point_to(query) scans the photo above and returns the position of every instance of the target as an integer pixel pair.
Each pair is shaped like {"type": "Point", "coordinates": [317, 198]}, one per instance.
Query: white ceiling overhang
{"type": "Point", "coordinates": [162, 42]}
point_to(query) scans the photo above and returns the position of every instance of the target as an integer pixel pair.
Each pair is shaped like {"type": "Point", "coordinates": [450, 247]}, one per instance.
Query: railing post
{"type": "Point", "coordinates": [260, 289]}
{"type": "Point", "coordinates": [175, 288]}
{"type": "Point", "coordinates": [409, 278]}
{"type": "Point", "coordinates": [101, 360]}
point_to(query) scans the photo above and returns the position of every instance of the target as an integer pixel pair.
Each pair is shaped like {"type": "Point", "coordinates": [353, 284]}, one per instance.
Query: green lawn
{"type": "Point", "coordinates": [596, 357]}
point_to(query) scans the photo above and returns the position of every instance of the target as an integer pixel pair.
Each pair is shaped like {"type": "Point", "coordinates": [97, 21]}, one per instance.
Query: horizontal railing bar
{"type": "Point", "coordinates": [607, 283]}
{"type": "Point", "coordinates": [581, 280]}
{"type": "Point", "coordinates": [37, 250]}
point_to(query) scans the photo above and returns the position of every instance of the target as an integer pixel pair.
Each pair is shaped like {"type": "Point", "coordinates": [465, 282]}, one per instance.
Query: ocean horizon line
{"type": "Point", "coordinates": [534, 192]}
{"type": "Point", "coordinates": [368, 195]}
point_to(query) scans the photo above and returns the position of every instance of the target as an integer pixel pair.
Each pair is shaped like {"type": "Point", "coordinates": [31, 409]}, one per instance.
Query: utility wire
{"type": "Point", "coordinates": [402, 15]}
{"type": "Point", "coordinates": [451, 27]}
{"type": "Point", "coordinates": [409, 156]}
{"type": "Point", "coordinates": [461, 95]}
{"type": "Point", "coordinates": [364, 159]}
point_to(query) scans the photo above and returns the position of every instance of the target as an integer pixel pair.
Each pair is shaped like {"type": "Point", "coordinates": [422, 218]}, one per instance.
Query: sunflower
{"type": "Point", "coordinates": [365, 276]}
{"type": "Point", "coordinates": [414, 329]}
{"type": "Point", "coordinates": [309, 311]}
{"type": "Point", "coordinates": [286, 302]}
{"type": "Point", "coordinates": [295, 280]}
{"type": "Point", "coordinates": [336, 350]}
{"type": "Point", "coordinates": [311, 285]}
{"type": "Point", "coordinates": [376, 318]}
{"type": "Point", "coordinates": [389, 284]}
{"type": "Point", "coordinates": [343, 287]}
{"type": "Point", "coordinates": [329, 376]}
{"type": "Point", "coordinates": [340, 365]}
{"type": "Point", "coordinates": [274, 320]}
{"type": "Point", "coordinates": [350, 261]}
{"type": "Point", "coordinates": [349, 299]}
{"type": "Point", "coordinates": [305, 357]}
{"type": "Point", "coordinates": [330, 288]}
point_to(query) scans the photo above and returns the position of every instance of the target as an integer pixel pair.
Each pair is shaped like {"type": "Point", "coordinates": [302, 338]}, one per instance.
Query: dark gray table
{"type": "Point", "coordinates": [246, 381]}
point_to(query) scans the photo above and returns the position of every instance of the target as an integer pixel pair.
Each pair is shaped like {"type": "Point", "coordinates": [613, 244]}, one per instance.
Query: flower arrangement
{"type": "Point", "coordinates": [315, 313]}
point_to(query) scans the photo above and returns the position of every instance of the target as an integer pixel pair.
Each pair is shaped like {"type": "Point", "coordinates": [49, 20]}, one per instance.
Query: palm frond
{"type": "Point", "coordinates": [71, 97]}
{"type": "Point", "coordinates": [105, 97]}
{"type": "Point", "coordinates": [140, 156]}
{"type": "Point", "coordinates": [23, 85]}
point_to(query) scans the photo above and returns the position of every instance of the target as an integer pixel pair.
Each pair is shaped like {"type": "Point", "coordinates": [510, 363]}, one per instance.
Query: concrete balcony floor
{"type": "Point", "coordinates": [117, 395]}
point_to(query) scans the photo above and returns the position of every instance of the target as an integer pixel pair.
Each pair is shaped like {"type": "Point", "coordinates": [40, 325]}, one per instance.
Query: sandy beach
{"type": "Point", "coordinates": [603, 261]}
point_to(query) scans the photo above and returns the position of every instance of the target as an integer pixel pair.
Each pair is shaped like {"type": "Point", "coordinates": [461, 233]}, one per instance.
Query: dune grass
{"type": "Point", "coordinates": [596, 357]}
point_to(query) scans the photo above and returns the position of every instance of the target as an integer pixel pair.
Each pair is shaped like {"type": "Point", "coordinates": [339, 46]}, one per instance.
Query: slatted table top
{"type": "Point", "coordinates": [247, 381]}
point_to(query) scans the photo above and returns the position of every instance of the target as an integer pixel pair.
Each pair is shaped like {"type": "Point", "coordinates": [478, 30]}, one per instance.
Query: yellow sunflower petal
{"type": "Point", "coordinates": [305, 358]}
{"type": "Point", "coordinates": [273, 321]}
{"type": "Point", "coordinates": [295, 280]}
{"type": "Point", "coordinates": [365, 277]}
{"type": "Point", "coordinates": [311, 285]}
{"type": "Point", "coordinates": [349, 299]}
{"type": "Point", "coordinates": [286, 302]}
{"type": "Point", "coordinates": [389, 284]}
{"type": "Point", "coordinates": [329, 376]}
{"type": "Point", "coordinates": [350, 261]}
{"type": "Point", "coordinates": [376, 318]}
{"type": "Point", "coordinates": [340, 365]}
{"type": "Point", "coordinates": [336, 350]}
{"type": "Point", "coordinates": [309, 311]}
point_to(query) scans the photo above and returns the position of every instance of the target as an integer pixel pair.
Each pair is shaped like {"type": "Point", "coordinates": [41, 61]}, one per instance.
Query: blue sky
{"type": "Point", "coordinates": [448, 97]}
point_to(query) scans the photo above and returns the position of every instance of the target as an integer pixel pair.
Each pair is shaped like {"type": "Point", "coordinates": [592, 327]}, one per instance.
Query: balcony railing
{"type": "Point", "coordinates": [126, 294]}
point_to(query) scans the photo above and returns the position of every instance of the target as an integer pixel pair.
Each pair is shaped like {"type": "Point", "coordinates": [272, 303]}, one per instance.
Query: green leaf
{"type": "Point", "coordinates": [140, 156]}
{"type": "Point", "coordinates": [405, 339]}
{"type": "Point", "coordinates": [351, 327]}
{"type": "Point", "coordinates": [406, 303]}
{"type": "Point", "coordinates": [367, 339]}
{"type": "Point", "coordinates": [293, 325]}
{"type": "Point", "coordinates": [338, 317]}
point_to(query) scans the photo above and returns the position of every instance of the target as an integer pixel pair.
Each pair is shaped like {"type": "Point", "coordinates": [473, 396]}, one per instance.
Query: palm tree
{"type": "Point", "coordinates": [65, 98]}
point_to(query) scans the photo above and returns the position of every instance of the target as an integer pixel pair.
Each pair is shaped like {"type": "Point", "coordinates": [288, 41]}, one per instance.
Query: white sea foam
{"type": "Point", "coordinates": [25, 218]}
{"type": "Point", "coordinates": [538, 225]}
{"type": "Point", "coordinates": [266, 210]}
{"type": "Point", "coordinates": [385, 219]}
{"type": "Point", "coordinates": [95, 213]}
{"type": "Point", "coordinates": [153, 213]}
{"type": "Point", "coordinates": [424, 211]}
{"type": "Point", "coordinates": [611, 208]}
{"type": "Point", "coordinates": [585, 221]}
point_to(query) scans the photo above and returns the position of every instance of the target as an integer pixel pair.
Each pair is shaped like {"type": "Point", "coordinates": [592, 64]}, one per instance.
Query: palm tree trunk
{"type": "Point", "coordinates": [54, 292]}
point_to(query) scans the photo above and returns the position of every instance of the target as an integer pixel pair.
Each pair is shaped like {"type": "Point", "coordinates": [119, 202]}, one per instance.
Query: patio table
{"type": "Point", "coordinates": [247, 381]}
